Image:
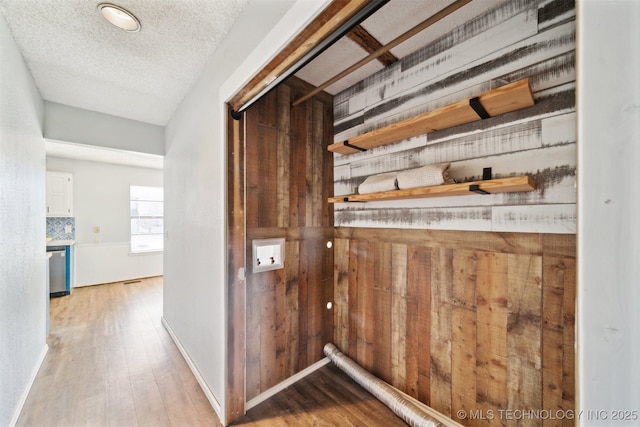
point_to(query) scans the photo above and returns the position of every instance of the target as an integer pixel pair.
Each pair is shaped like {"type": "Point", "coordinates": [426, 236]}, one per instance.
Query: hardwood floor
{"type": "Point", "coordinates": [326, 397]}
{"type": "Point", "coordinates": [112, 363]}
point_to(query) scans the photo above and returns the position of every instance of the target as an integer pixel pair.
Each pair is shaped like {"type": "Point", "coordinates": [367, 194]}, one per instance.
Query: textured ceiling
{"type": "Point", "coordinates": [77, 58]}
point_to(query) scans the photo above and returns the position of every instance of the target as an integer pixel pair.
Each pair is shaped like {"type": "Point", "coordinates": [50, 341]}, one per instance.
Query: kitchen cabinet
{"type": "Point", "coordinates": [59, 194]}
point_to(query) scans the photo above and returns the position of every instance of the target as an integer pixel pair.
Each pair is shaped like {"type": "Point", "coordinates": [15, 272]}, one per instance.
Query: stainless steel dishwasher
{"type": "Point", "coordinates": [57, 271]}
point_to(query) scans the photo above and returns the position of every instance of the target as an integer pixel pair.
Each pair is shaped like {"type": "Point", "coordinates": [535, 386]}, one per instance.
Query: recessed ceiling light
{"type": "Point", "coordinates": [119, 17]}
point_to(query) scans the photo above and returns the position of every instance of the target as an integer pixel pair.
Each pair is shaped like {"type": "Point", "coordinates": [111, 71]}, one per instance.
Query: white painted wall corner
{"type": "Point", "coordinates": [27, 389]}
{"type": "Point", "coordinates": [203, 384]}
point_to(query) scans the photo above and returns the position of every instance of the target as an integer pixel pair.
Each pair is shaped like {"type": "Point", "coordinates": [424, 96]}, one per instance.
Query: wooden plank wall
{"type": "Point", "coordinates": [473, 321]}
{"type": "Point", "coordinates": [289, 176]}
{"type": "Point", "coordinates": [467, 303]}
{"type": "Point", "coordinates": [517, 39]}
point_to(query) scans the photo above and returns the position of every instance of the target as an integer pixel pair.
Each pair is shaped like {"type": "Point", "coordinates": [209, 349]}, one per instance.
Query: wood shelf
{"type": "Point", "coordinates": [511, 97]}
{"type": "Point", "coordinates": [492, 186]}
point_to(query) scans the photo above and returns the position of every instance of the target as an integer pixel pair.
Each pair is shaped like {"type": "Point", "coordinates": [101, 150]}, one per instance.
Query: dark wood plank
{"type": "Point", "coordinates": [316, 164]}
{"type": "Point", "coordinates": [327, 397]}
{"type": "Point", "coordinates": [315, 302]}
{"type": "Point", "coordinates": [253, 322]}
{"type": "Point", "coordinates": [268, 369]}
{"type": "Point", "coordinates": [283, 155]}
{"type": "Point", "coordinates": [303, 301]}
{"type": "Point", "coordinates": [286, 164]}
{"type": "Point", "coordinates": [292, 308]}
{"type": "Point", "coordinates": [363, 38]}
{"type": "Point", "coordinates": [341, 291]}
{"type": "Point", "coordinates": [236, 292]}
{"type": "Point", "coordinates": [352, 349]}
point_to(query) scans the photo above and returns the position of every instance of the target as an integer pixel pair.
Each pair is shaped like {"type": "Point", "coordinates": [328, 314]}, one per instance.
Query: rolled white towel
{"type": "Point", "coordinates": [381, 182]}
{"type": "Point", "coordinates": [424, 176]}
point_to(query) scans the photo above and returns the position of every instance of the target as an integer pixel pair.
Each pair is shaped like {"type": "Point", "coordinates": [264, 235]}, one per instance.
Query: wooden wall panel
{"type": "Point", "coordinates": [289, 173]}
{"type": "Point", "coordinates": [463, 320]}
{"type": "Point", "coordinates": [517, 39]}
{"type": "Point", "coordinates": [236, 262]}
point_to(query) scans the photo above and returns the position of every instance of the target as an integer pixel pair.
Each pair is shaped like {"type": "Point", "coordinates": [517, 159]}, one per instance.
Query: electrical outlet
{"type": "Point", "coordinates": [97, 241]}
{"type": "Point", "coordinates": [96, 229]}
{"type": "Point", "coordinates": [67, 229]}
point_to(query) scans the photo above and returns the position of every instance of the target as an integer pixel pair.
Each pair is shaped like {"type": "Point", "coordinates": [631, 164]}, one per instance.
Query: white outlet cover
{"type": "Point", "coordinates": [268, 254]}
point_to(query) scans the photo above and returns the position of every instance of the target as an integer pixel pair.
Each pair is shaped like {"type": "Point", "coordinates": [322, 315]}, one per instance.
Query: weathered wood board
{"type": "Point", "coordinates": [289, 177]}
{"type": "Point", "coordinates": [518, 39]}
{"type": "Point", "coordinates": [471, 321]}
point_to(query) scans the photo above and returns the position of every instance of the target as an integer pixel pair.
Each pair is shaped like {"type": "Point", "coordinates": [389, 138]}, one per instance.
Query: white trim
{"type": "Point", "coordinates": [286, 383]}
{"type": "Point", "coordinates": [27, 389]}
{"type": "Point", "coordinates": [146, 252]}
{"type": "Point", "coordinates": [95, 245]}
{"type": "Point", "coordinates": [196, 373]}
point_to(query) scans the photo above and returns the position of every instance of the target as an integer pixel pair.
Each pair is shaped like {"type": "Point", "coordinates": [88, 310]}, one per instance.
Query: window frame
{"type": "Point", "coordinates": [132, 218]}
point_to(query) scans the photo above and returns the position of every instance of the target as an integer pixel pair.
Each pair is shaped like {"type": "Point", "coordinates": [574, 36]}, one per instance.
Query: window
{"type": "Point", "coordinates": [147, 218]}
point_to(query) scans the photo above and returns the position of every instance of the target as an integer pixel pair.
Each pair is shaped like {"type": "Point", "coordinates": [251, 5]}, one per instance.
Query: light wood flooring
{"type": "Point", "coordinates": [112, 363]}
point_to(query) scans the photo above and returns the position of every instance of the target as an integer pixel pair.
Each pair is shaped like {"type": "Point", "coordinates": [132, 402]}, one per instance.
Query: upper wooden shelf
{"type": "Point", "coordinates": [511, 97]}
{"type": "Point", "coordinates": [492, 186]}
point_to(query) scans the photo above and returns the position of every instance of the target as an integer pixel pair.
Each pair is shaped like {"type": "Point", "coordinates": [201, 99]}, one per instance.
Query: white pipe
{"type": "Point", "coordinates": [402, 405]}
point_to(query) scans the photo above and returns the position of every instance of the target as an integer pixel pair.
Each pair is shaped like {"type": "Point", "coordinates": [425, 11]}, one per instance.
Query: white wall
{"type": "Point", "coordinates": [65, 123]}
{"type": "Point", "coordinates": [195, 174]}
{"type": "Point", "coordinates": [101, 198]}
{"type": "Point", "coordinates": [608, 205]}
{"type": "Point", "coordinates": [23, 295]}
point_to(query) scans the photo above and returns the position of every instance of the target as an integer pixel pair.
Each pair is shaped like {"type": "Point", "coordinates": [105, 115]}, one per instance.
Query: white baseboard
{"type": "Point", "coordinates": [203, 384]}
{"type": "Point", "coordinates": [286, 383]}
{"type": "Point", "coordinates": [27, 389]}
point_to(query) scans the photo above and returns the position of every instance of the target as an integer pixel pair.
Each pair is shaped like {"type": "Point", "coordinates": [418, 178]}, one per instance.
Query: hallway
{"type": "Point", "coordinates": [112, 363]}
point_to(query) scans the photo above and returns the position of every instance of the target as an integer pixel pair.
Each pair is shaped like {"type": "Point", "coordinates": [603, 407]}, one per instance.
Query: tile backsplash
{"type": "Point", "coordinates": [55, 228]}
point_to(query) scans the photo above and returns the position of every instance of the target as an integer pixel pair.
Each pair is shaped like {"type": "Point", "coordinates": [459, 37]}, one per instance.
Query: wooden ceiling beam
{"type": "Point", "coordinates": [370, 44]}
{"type": "Point", "coordinates": [398, 40]}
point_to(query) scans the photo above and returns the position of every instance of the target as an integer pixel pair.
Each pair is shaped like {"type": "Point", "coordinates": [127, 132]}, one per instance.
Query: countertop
{"type": "Point", "coordinates": [61, 243]}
